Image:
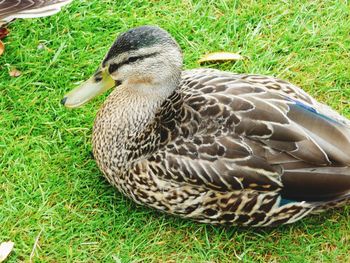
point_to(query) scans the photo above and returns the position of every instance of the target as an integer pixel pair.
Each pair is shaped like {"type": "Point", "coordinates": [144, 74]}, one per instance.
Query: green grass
{"type": "Point", "coordinates": [51, 188]}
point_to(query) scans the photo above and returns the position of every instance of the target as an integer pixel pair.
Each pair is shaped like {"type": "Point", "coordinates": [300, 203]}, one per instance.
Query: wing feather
{"type": "Point", "coordinates": [252, 132]}
{"type": "Point", "coordinates": [29, 8]}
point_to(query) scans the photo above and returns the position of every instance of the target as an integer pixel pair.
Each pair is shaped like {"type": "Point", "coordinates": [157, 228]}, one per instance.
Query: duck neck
{"type": "Point", "coordinates": [119, 129]}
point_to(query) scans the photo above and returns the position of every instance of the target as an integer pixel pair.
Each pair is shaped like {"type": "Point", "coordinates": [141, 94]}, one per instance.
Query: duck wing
{"type": "Point", "coordinates": [242, 132]}
{"type": "Point", "coordinates": [11, 9]}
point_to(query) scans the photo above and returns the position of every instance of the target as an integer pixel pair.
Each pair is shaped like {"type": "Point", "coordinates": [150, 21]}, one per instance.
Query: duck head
{"type": "Point", "coordinates": [146, 59]}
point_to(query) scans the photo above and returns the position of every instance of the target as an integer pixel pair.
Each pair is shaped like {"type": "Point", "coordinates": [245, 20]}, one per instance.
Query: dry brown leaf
{"type": "Point", "coordinates": [3, 32]}
{"type": "Point", "coordinates": [15, 73]}
{"type": "Point", "coordinates": [220, 57]}
{"type": "Point", "coordinates": [5, 250]}
{"type": "Point", "coordinates": [2, 48]}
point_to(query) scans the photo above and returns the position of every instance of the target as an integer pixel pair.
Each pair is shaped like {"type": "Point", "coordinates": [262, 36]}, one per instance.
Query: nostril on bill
{"type": "Point", "coordinates": [98, 78]}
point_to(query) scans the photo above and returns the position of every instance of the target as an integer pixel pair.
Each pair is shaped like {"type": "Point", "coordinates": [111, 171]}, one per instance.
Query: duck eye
{"type": "Point", "coordinates": [113, 67]}
{"type": "Point", "coordinates": [132, 59]}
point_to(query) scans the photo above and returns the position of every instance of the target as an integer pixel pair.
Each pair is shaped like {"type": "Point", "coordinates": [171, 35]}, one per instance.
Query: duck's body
{"type": "Point", "coordinates": [218, 147]}
{"type": "Point", "coordinates": [11, 9]}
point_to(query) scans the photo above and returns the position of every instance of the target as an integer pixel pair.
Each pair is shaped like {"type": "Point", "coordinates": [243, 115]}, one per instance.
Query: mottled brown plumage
{"type": "Point", "coordinates": [215, 146]}
{"type": "Point", "coordinates": [11, 9]}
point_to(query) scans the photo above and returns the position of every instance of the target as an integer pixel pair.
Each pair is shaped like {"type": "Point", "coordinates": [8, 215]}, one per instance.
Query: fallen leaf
{"type": "Point", "coordinates": [15, 73]}
{"type": "Point", "coordinates": [220, 57]}
{"type": "Point", "coordinates": [5, 250]}
{"type": "Point", "coordinates": [3, 32]}
{"type": "Point", "coordinates": [2, 48]}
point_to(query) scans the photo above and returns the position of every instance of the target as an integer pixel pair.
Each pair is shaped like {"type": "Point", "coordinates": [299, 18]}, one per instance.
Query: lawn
{"type": "Point", "coordinates": [51, 190]}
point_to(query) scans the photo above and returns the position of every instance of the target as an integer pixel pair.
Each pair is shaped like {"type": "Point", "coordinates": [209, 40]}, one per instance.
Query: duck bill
{"type": "Point", "coordinates": [100, 82]}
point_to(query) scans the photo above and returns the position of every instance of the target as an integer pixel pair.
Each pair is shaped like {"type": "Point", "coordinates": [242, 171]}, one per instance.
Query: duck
{"type": "Point", "coordinates": [209, 145]}
{"type": "Point", "coordinates": [12, 9]}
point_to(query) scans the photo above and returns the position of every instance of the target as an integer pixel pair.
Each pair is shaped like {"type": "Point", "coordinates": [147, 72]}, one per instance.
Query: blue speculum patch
{"type": "Point", "coordinates": [310, 109]}
{"type": "Point", "coordinates": [285, 201]}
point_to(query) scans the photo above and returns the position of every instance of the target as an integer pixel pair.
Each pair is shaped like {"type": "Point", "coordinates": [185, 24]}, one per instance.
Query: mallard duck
{"type": "Point", "coordinates": [209, 145]}
{"type": "Point", "coordinates": [11, 9]}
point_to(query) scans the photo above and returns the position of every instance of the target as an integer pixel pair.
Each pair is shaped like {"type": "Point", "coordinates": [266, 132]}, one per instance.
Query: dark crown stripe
{"type": "Point", "coordinates": [137, 38]}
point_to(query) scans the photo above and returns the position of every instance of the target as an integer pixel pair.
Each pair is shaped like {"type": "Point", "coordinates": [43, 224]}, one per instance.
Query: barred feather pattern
{"type": "Point", "coordinates": [230, 148]}
{"type": "Point", "coordinates": [11, 9]}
